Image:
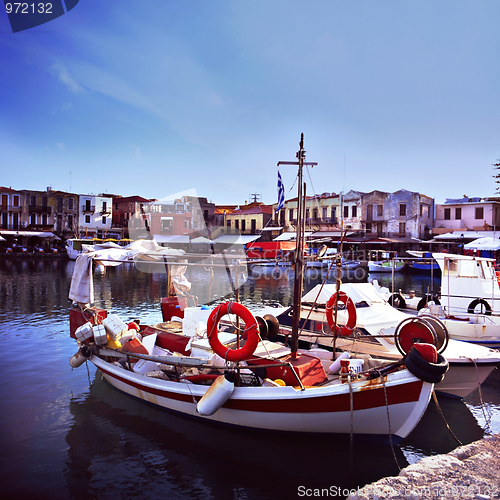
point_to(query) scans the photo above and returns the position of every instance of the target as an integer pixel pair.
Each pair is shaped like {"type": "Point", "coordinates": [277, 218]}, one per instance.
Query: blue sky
{"type": "Point", "coordinates": [156, 97]}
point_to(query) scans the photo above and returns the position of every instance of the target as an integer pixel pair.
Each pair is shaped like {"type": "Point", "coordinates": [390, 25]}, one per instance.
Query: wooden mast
{"type": "Point", "coordinates": [299, 247]}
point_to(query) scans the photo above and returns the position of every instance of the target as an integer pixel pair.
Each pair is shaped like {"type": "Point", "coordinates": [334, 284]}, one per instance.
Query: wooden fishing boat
{"type": "Point", "coordinates": [233, 375]}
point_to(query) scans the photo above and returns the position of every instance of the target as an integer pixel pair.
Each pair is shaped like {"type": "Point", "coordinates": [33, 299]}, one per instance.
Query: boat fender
{"type": "Point", "coordinates": [479, 302]}
{"type": "Point", "coordinates": [335, 366]}
{"type": "Point", "coordinates": [134, 326]}
{"type": "Point", "coordinates": [217, 394]}
{"type": "Point", "coordinates": [80, 357]}
{"type": "Point", "coordinates": [426, 299]}
{"type": "Point", "coordinates": [425, 370]}
{"type": "Point", "coordinates": [251, 330]}
{"type": "Point", "coordinates": [348, 328]}
{"type": "Point", "coordinates": [396, 300]}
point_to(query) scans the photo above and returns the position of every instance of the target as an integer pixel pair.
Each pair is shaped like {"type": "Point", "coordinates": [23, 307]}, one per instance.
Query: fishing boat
{"type": "Point", "coordinates": [230, 373]}
{"type": "Point", "coordinates": [385, 266]}
{"type": "Point", "coordinates": [378, 329]}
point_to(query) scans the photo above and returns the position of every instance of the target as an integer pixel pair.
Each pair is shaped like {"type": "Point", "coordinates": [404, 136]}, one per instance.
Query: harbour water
{"type": "Point", "coordinates": [67, 434]}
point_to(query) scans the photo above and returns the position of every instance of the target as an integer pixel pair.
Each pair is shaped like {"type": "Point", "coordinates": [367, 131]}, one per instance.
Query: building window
{"type": "Point", "coordinates": [70, 203]}
{"type": "Point", "coordinates": [253, 226]}
{"type": "Point", "coordinates": [402, 228]}
{"type": "Point", "coordinates": [70, 221]}
{"type": "Point", "coordinates": [368, 227]}
{"type": "Point", "coordinates": [15, 201]}
{"type": "Point", "coordinates": [325, 213]}
{"type": "Point", "coordinates": [479, 212]}
{"type": "Point", "coordinates": [104, 206]}
{"type": "Point", "coordinates": [45, 220]}
{"type": "Point", "coordinates": [380, 210]}
{"type": "Point", "coordinates": [315, 213]}
{"type": "Point", "coordinates": [243, 224]}
{"type": "Point", "coordinates": [103, 220]}
{"type": "Point", "coordinates": [59, 204]}
{"type": "Point", "coordinates": [346, 212]}
{"type": "Point", "coordinates": [228, 223]}
{"type": "Point", "coordinates": [87, 219]}
{"type": "Point", "coordinates": [354, 211]}
{"type": "Point", "coordinates": [458, 213]}
{"type": "Point", "coordinates": [447, 213]}
{"type": "Point", "coordinates": [290, 214]}
{"type": "Point", "coordinates": [334, 213]}
{"type": "Point", "coordinates": [33, 220]}
{"type": "Point", "coordinates": [402, 210]}
{"type": "Point", "coordinates": [237, 224]}
{"type": "Point", "coordinates": [307, 213]}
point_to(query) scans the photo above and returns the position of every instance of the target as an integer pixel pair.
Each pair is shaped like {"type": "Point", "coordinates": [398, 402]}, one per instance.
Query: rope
{"type": "Point", "coordinates": [486, 419]}
{"type": "Point", "coordinates": [351, 435]}
{"type": "Point", "coordinates": [389, 422]}
{"type": "Point", "coordinates": [444, 419]}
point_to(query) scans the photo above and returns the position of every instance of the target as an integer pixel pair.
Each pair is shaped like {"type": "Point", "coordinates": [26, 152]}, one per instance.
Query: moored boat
{"type": "Point", "coordinates": [233, 375]}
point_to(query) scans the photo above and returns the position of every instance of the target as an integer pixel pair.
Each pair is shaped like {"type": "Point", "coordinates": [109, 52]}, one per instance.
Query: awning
{"type": "Point", "coordinates": [237, 239]}
{"type": "Point", "coordinates": [171, 238]}
{"type": "Point", "coordinates": [291, 236]}
{"type": "Point", "coordinates": [40, 234]}
{"type": "Point", "coordinates": [272, 229]}
{"type": "Point", "coordinates": [167, 218]}
{"type": "Point", "coordinates": [484, 244]}
{"type": "Point", "coordinates": [201, 239]}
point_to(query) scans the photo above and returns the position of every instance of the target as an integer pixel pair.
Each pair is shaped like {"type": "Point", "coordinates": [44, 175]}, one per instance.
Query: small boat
{"type": "Point", "coordinates": [424, 264]}
{"type": "Point", "coordinates": [385, 266]}
{"type": "Point", "coordinates": [231, 373]}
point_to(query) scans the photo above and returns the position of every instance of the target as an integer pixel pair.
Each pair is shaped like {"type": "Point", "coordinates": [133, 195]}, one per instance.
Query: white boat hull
{"type": "Point", "coordinates": [324, 409]}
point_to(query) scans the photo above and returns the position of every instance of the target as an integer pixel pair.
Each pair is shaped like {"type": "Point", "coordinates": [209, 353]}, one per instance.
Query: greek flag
{"type": "Point", "coordinates": [281, 193]}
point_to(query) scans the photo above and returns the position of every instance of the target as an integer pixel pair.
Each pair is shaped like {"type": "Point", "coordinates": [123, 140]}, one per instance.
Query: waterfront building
{"type": "Point", "coordinates": [125, 209]}
{"type": "Point", "coordinates": [95, 216]}
{"type": "Point", "coordinates": [11, 208]}
{"type": "Point", "coordinates": [467, 214]}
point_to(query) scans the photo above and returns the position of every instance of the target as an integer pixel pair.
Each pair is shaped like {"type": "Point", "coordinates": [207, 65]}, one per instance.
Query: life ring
{"type": "Point", "coordinates": [251, 330]}
{"type": "Point", "coordinates": [351, 311]}
{"type": "Point", "coordinates": [477, 302]}
{"type": "Point", "coordinates": [396, 300]}
{"type": "Point", "coordinates": [427, 298]}
{"type": "Point", "coordinates": [425, 370]}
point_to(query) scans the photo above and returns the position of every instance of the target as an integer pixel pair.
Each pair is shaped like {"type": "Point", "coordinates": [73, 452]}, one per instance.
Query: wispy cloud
{"type": "Point", "coordinates": [61, 146]}
{"type": "Point", "coordinates": [64, 76]}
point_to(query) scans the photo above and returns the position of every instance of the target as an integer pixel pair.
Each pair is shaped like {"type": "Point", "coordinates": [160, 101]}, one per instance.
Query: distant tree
{"type": "Point", "coordinates": [497, 176]}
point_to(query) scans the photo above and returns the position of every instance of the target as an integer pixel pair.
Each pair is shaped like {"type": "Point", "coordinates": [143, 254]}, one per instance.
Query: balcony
{"type": "Point", "coordinates": [11, 208]}
{"type": "Point", "coordinates": [40, 209]}
{"type": "Point", "coordinates": [88, 208]}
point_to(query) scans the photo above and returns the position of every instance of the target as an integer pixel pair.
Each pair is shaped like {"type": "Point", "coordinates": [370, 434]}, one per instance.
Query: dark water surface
{"type": "Point", "coordinates": [67, 434]}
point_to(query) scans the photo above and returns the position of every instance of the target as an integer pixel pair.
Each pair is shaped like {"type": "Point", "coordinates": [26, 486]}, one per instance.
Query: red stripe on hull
{"type": "Point", "coordinates": [364, 399]}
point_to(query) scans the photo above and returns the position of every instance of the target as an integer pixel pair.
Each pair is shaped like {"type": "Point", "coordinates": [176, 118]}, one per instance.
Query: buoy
{"type": "Point", "coordinates": [348, 328]}
{"type": "Point", "coordinates": [218, 393]}
{"type": "Point", "coordinates": [80, 357]}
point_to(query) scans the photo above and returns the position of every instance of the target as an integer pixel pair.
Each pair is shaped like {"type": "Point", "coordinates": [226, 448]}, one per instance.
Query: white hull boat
{"type": "Point", "coordinates": [376, 323]}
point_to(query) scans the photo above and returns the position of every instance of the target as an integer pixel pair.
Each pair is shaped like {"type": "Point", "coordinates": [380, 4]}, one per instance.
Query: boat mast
{"type": "Point", "coordinates": [299, 247]}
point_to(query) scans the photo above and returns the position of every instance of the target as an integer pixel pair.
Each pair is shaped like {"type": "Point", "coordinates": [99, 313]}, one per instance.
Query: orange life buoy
{"type": "Point", "coordinates": [251, 329]}
{"type": "Point", "coordinates": [351, 311]}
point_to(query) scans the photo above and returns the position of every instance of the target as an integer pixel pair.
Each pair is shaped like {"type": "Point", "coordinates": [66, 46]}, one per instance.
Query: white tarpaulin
{"type": "Point", "coordinates": [483, 244]}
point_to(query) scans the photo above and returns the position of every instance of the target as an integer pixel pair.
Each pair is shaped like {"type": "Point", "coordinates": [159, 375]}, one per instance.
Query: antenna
{"type": "Point", "coordinates": [257, 197]}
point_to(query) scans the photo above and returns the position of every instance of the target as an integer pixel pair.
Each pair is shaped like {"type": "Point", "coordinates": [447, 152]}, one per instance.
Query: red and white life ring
{"type": "Point", "coordinates": [251, 330]}
{"type": "Point", "coordinates": [351, 311]}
